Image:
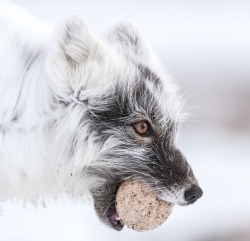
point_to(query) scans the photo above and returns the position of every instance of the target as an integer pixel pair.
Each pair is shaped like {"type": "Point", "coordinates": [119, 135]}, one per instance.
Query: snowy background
{"type": "Point", "coordinates": [206, 45]}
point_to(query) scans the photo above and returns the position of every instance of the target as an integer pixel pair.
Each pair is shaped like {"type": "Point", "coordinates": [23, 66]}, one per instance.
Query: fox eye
{"type": "Point", "coordinates": [143, 128]}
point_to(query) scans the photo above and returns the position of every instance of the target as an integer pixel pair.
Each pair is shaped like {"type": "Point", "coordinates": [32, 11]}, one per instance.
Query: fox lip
{"type": "Point", "coordinates": [113, 218]}
{"type": "Point", "coordinates": [116, 222]}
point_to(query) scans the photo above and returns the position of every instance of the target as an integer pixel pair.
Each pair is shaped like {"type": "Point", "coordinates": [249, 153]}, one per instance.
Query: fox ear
{"type": "Point", "coordinates": [131, 40]}
{"type": "Point", "coordinates": [74, 44]}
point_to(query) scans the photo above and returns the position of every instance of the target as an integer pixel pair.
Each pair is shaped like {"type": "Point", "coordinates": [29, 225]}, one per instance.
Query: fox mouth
{"type": "Point", "coordinates": [113, 218]}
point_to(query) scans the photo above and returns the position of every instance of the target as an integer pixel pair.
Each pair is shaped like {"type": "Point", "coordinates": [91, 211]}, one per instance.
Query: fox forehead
{"type": "Point", "coordinates": [90, 64]}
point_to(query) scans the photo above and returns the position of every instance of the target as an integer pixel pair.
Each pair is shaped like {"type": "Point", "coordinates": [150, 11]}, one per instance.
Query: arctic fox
{"type": "Point", "coordinates": [81, 113]}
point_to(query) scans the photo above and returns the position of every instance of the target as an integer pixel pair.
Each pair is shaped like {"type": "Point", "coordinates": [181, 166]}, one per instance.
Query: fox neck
{"type": "Point", "coordinates": [35, 143]}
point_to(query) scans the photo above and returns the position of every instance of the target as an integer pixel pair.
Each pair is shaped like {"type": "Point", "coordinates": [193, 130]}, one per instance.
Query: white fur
{"type": "Point", "coordinates": [38, 75]}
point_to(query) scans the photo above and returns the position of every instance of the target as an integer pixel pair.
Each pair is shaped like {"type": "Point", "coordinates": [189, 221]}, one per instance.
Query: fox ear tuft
{"type": "Point", "coordinates": [74, 43]}
{"type": "Point", "coordinates": [132, 41]}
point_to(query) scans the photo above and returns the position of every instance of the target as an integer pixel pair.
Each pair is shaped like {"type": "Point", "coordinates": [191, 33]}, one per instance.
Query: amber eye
{"type": "Point", "coordinates": [143, 128]}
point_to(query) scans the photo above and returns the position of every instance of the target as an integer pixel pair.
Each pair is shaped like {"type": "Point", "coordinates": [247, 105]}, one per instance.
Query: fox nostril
{"type": "Point", "coordinates": [192, 194]}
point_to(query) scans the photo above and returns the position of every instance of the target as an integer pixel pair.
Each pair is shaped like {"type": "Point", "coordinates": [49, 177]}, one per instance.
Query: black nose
{"type": "Point", "coordinates": [192, 194]}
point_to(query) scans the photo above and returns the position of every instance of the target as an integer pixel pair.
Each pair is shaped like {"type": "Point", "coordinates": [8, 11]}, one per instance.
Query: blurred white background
{"type": "Point", "coordinates": [206, 45]}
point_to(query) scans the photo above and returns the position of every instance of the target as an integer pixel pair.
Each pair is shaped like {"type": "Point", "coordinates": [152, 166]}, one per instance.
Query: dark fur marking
{"type": "Point", "coordinates": [119, 111]}
{"type": "Point", "coordinates": [15, 117]}
{"type": "Point", "coordinates": [64, 103]}
{"type": "Point", "coordinates": [146, 73]}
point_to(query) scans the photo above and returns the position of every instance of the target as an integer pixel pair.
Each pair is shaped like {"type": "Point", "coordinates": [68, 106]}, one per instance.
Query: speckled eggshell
{"type": "Point", "coordinates": [139, 208]}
